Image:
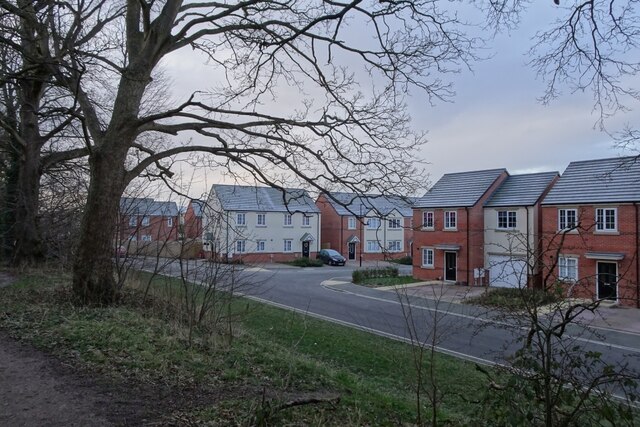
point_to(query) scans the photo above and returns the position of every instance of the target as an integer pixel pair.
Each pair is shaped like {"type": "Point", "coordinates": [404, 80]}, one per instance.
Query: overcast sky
{"type": "Point", "coordinates": [495, 119]}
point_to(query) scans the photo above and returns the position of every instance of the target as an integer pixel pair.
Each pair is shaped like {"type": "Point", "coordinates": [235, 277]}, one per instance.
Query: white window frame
{"type": "Point", "coordinates": [563, 268]}
{"type": "Point", "coordinates": [426, 216]}
{"type": "Point", "coordinates": [145, 221]}
{"type": "Point", "coordinates": [241, 246]}
{"type": "Point", "coordinates": [509, 216]}
{"type": "Point", "coordinates": [241, 219]}
{"type": "Point", "coordinates": [602, 225]}
{"type": "Point", "coordinates": [262, 216]}
{"type": "Point", "coordinates": [425, 257]}
{"type": "Point", "coordinates": [133, 221]}
{"type": "Point", "coordinates": [306, 220]}
{"type": "Point", "coordinates": [371, 222]}
{"type": "Point", "coordinates": [450, 220]}
{"type": "Point", "coordinates": [260, 245]}
{"type": "Point", "coordinates": [394, 245]}
{"type": "Point", "coordinates": [394, 223]}
{"type": "Point", "coordinates": [287, 245]}
{"type": "Point", "coordinates": [147, 238]}
{"type": "Point", "coordinates": [373, 246]}
{"type": "Point", "coordinates": [351, 223]}
{"type": "Point", "coordinates": [563, 223]}
{"type": "Point", "coordinates": [169, 221]}
{"type": "Point", "coordinates": [287, 220]}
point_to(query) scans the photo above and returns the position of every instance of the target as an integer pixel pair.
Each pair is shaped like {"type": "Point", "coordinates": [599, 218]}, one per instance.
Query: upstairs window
{"type": "Point", "coordinates": [507, 220]}
{"type": "Point", "coordinates": [306, 221]}
{"type": "Point", "coordinates": [606, 219]}
{"type": "Point", "coordinates": [145, 220]}
{"type": "Point", "coordinates": [351, 223]}
{"type": "Point", "coordinates": [133, 221]}
{"type": "Point", "coordinates": [567, 219]}
{"type": "Point", "coordinates": [261, 220]}
{"type": "Point", "coordinates": [427, 219]}
{"type": "Point", "coordinates": [450, 220]}
{"type": "Point", "coordinates": [170, 222]}
{"type": "Point", "coordinates": [373, 223]}
{"type": "Point", "coordinates": [394, 223]}
{"type": "Point", "coordinates": [241, 219]}
{"type": "Point", "coordinates": [287, 220]}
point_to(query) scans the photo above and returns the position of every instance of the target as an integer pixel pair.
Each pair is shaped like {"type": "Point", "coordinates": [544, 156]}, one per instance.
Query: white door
{"type": "Point", "coordinates": [507, 272]}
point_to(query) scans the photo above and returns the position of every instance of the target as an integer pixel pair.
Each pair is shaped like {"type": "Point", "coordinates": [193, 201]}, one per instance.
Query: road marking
{"type": "Point", "coordinates": [479, 319]}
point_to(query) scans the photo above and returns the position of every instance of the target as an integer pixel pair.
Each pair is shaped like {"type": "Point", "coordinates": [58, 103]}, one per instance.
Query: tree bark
{"type": "Point", "coordinates": [93, 274]}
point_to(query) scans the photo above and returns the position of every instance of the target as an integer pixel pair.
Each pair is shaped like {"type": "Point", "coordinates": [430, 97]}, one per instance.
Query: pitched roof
{"type": "Point", "coordinates": [197, 207]}
{"type": "Point", "coordinates": [147, 207]}
{"type": "Point", "coordinates": [263, 199]}
{"type": "Point", "coordinates": [459, 189]}
{"type": "Point", "coordinates": [598, 181]}
{"type": "Point", "coordinates": [521, 190]}
{"type": "Point", "coordinates": [352, 203]}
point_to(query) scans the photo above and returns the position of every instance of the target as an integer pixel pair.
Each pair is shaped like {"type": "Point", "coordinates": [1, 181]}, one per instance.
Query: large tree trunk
{"type": "Point", "coordinates": [93, 278]}
{"type": "Point", "coordinates": [28, 244]}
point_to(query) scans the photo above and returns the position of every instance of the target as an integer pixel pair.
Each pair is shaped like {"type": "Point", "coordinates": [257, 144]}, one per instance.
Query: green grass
{"type": "Point", "coordinates": [405, 260]}
{"type": "Point", "coordinates": [282, 353]}
{"type": "Point", "coordinates": [513, 299]}
{"type": "Point", "coordinates": [387, 281]}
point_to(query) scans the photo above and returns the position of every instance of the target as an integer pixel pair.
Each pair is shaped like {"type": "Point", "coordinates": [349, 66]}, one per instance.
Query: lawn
{"type": "Point", "coordinates": [271, 357]}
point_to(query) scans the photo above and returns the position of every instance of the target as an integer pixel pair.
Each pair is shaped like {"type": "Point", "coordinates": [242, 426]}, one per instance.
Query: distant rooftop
{"type": "Point", "coordinates": [263, 199]}
{"type": "Point", "coordinates": [145, 206]}
{"type": "Point", "coordinates": [197, 207]}
{"type": "Point", "coordinates": [354, 204]}
{"type": "Point", "coordinates": [459, 189]}
{"type": "Point", "coordinates": [521, 190]}
{"type": "Point", "coordinates": [598, 181]}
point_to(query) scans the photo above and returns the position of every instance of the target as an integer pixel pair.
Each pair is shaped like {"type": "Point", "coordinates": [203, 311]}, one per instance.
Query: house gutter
{"type": "Point", "coordinates": [466, 209]}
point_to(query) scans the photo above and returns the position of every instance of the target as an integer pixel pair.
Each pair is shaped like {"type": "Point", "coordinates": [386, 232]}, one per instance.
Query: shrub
{"type": "Point", "coordinates": [405, 260]}
{"type": "Point", "coordinates": [370, 273]}
{"type": "Point", "coordinates": [306, 262]}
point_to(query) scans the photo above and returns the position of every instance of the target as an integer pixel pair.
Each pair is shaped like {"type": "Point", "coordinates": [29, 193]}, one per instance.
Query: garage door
{"type": "Point", "coordinates": [507, 272]}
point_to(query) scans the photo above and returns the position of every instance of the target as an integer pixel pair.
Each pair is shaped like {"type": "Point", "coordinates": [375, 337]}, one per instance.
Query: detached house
{"type": "Point", "coordinates": [591, 220]}
{"type": "Point", "coordinates": [371, 227]}
{"type": "Point", "coordinates": [448, 237]}
{"type": "Point", "coordinates": [260, 224]}
{"type": "Point", "coordinates": [512, 226]}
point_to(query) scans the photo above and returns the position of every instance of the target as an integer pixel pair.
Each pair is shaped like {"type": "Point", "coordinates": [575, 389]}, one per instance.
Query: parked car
{"type": "Point", "coordinates": [331, 257]}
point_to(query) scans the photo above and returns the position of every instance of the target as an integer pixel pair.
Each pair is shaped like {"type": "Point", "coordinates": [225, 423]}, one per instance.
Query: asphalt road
{"type": "Point", "coordinates": [464, 331]}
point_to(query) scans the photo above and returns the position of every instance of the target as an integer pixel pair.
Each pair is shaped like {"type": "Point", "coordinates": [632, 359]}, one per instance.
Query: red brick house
{"type": "Point", "coordinates": [448, 238]}
{"type": "Point", "coordinates": [591, 235]}
{"type": "Point", "coordinates": [368, 227]}
{"type": "Point", "coordinates": [193, 220]}
{"type": "Point", "coordinates": [147, 220]}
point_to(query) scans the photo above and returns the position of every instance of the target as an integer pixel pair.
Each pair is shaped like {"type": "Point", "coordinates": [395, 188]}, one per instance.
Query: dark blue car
{"type": "Point", "coordinates": [331, 257]}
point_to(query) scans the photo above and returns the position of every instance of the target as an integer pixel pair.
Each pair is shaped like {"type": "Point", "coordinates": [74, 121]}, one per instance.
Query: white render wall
{"type": "Point", "coordinates": [509, 242]}
{"type": "Point", "coordinates": [384, 234]}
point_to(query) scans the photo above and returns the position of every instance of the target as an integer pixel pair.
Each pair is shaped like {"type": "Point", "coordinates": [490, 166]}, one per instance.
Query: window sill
{"type": "Point", "coordinates": [287, 226]}
{"type": "Point", "coordinates": [568, 232]}
{"type": "Point", "coordinates": [505, 230]}
{"type": "Point", "coordinates": [607, 232]}
{"type": "Point", "coordinates": [261, 226]}
{"type": "Point", "coordinates": [427, 267]}
{"type": "Point", "coordinates": [305, 226]}
{"type": "Point", "coordinates": [450, 229]}
{"type": "Point", "coordinates": [427, 229]}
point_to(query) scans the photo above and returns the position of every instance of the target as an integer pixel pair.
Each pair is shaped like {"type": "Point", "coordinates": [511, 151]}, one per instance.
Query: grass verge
{"type": "Point", "coordinates": [275, 356]}
{"type": "Point", "coordinates": [513, 299]}
{"type": "Point", "coordinates": [377, 282]}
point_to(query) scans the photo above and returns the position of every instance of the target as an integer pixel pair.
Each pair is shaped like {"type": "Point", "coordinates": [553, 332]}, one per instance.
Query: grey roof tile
{"type": "Point", "coordinates": [521, 190]}
{"type": "Point", "coordinates": [598, 181]}
{"type": "Point", "coordinates": [263, 199]}
{"type": "Point", "coordinates": [352, 203]}
{"type": "Point", "coordinates": [147, 207]}
{"type": "Point", "coordinates": [460, 189]}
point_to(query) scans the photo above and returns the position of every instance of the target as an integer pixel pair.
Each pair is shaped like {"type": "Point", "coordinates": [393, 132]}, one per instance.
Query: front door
{"type": "Point", "coordinates": [607, 280]}
{"type": "Point", "coordinates": [305, 249]}
{"type": "Point", "coordinates": [450, 266]}
{"type": "Point", "coordinates": [352, 250]}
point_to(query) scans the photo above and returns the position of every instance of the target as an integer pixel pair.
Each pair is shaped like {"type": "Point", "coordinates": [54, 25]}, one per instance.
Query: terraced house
{"type": "Point", "coordinates": [369, 227]}
{"type": "Point", "coordinates": [144, 219]}
{"type": "Point", "coordinates": [260, 224]}
{"type": "Point", "coordinates": [591, 234]}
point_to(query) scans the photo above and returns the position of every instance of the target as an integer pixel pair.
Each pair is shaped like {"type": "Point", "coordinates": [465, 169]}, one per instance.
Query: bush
{"type": "Point", "coordinates": [405, 260]}
{"type": "Point", "coordinates": [373, 273]}
{"type": "Point", "coordinates": [306, 262]}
